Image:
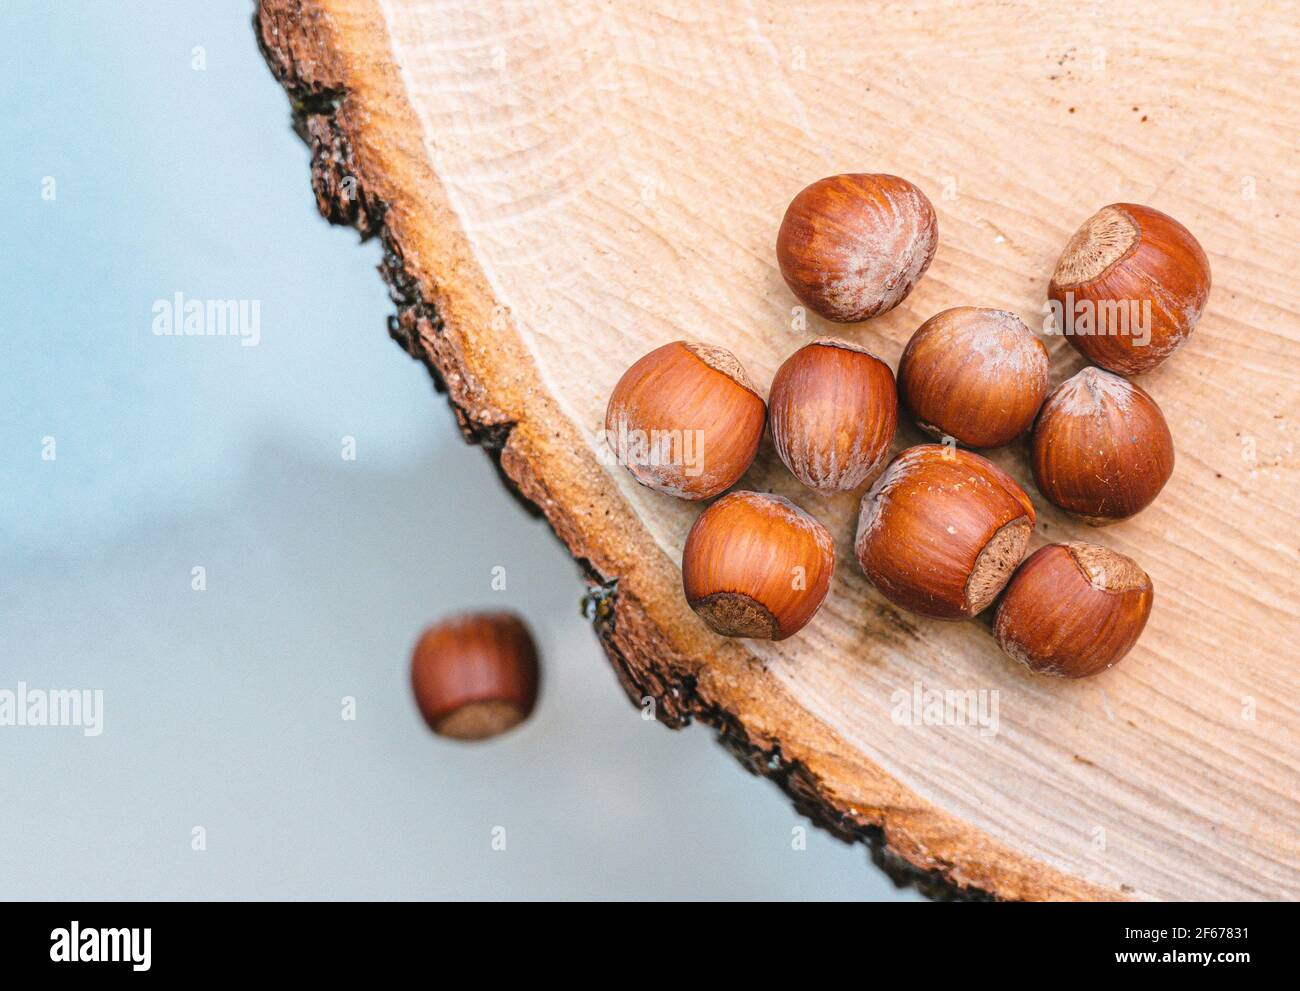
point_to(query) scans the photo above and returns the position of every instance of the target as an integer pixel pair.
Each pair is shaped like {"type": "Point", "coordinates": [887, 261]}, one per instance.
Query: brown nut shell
{"type": "Point", "coordinates": [1129, 288]}
{"type": "Point", "coordinates": [686, 420]}
{"type": "Point", "coordinates": [834, 411]}
{"type": "Point", "coordinates": [942, 530]}
{"type": "Point", "coordinates": [756, 565]}
{"type": "Point", "coordinates": [475, 675]}
{"type": "Point", "coordinates": [974, 374]}
{"type": "Point", "coordinates": [1101, 449]}
{"type": "Point", "coordinates": [1072, 610]}
{"type": "Point", "coordinates": [852, 246]}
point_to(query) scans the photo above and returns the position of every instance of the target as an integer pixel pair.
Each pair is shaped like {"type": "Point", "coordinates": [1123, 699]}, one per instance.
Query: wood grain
{"type": "Point", "coordinates": [563, 186]}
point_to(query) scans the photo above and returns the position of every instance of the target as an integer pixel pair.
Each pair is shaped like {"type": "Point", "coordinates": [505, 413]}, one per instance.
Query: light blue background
{"type": "Point", "coordinates": [222, 707]}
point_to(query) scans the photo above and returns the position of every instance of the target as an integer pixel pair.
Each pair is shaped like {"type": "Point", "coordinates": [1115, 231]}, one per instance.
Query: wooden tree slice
{"type": "Point", "coordinates": [563, 186]}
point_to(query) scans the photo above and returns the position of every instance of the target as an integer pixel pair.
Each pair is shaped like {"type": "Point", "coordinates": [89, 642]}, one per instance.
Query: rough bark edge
{"type": "Point", "coordinates": [642, 659]}
{"type": "Point", "coordinates": [677, 704]}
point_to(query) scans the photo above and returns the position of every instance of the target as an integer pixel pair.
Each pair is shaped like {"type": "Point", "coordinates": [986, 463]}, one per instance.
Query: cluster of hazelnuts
{"type": "Point", "coordinates": [942, 531]}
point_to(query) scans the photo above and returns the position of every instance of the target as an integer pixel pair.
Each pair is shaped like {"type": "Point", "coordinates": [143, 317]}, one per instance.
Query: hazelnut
{"type": "Point", "coordinates": [834, 410]}
{"type": "Point", "coordinates": [686, 420]}
{"type": "Point", "coordinates": [475, 675]}
{"type": "Point", "coordinates": [1129, 288]}
{"type": "Point", "coordinates": [756, 566]}
{"type": "Point", "coordinates": [942, 530]}
{"type": "Point", "coordinates": [853, 246]}
{"type": "Point", "coordinates": [974, 374]}
{"type": "Point", "coordinates": [1101, 449]}
{"type": "Point", "coordinates": [1072, 610]}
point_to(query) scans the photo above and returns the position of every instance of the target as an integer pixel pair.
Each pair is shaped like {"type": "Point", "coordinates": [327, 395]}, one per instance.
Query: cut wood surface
{"type": "Point", "coordinates": [563, 186]}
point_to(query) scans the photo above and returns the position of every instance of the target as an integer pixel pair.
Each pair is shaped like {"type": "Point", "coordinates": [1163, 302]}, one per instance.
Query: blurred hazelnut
{"type": "Point", "coordinates": [475, 675]}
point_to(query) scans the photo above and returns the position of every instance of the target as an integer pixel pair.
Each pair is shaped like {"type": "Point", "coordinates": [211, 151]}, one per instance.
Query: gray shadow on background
{"type": "Point", "coordinates": [223, 709]}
